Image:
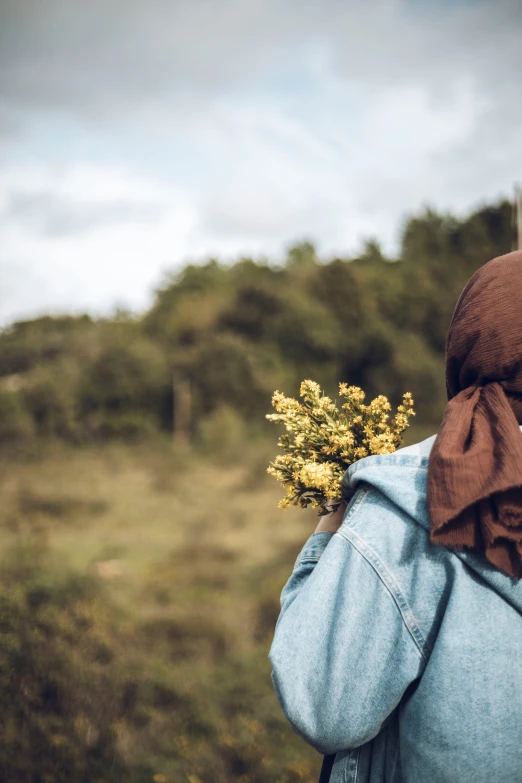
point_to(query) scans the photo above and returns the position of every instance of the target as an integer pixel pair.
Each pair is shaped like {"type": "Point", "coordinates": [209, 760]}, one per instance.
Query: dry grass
{"type": "Point", "coordinates": [195, 554]}
{"type": "Point", "coordinates": [177, 559]}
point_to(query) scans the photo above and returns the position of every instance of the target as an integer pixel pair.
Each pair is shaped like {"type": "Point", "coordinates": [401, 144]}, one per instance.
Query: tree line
{"type": "Point", "coordinates": [236, 332]}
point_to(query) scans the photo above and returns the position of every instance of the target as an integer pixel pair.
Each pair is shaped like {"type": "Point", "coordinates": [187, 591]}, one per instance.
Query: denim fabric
{"type": "Point", "coordinates": [401, 657]}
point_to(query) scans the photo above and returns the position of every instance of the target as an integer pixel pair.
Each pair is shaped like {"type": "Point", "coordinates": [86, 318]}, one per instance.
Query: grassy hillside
{"type": "Point", "coordinates": [139, 591]}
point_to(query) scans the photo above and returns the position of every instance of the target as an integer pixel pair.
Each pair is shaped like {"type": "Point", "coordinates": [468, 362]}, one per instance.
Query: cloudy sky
{"type": "Point", "coordinates": [137, 135]}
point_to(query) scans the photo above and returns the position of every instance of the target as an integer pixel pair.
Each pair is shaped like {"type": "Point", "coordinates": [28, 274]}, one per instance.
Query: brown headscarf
{"type": "Point", "coordinates": [475, 464]}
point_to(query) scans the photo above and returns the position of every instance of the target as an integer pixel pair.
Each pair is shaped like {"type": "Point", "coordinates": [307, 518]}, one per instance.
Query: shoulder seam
{"type": "Point", "coordinates": [391, 586]}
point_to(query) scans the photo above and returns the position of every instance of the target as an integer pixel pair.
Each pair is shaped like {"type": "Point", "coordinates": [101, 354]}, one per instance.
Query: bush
{"type": "Point", "coordinates": [50, 398]}
{"type": "Point", "coordinates": [59, 697]}
{"type": "Point", "coordinates": [16, 423]}
{"type": "Point", "coordinates": [225, 372]}
{"type": "Point", "coordinates": [221, 434]}
{"type": "Point", "coordinates": [123, 391]}
{"type": "Point", "coordinates": [126, 425]}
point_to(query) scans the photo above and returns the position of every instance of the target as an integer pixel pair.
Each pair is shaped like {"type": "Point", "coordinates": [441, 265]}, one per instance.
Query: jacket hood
{"type": "Point", "coordinates": [402, 478]}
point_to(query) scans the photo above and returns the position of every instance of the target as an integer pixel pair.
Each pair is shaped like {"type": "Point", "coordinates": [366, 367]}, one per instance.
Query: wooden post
{"type": "Point", "coordinates": [518, 209]}
{"type": "Point", "coordinates": [181, 410]}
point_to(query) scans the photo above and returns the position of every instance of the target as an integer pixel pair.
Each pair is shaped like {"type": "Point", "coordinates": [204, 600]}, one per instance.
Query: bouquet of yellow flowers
{"type": "Point", "coordinates": [324, 441]}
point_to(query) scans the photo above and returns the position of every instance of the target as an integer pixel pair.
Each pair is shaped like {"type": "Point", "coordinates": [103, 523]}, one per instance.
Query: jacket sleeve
{"type": "Point", "coordinates": [342, 654]}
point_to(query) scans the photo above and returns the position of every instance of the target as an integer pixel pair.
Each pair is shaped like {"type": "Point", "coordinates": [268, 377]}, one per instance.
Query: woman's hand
{"type": "Point", "coordinates": [330, 523]}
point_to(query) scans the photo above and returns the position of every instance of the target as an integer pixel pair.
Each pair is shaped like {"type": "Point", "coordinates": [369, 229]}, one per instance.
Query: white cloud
{"type": "Point", "coordinates": [97, 267]}
{"type": "Point", "coordinates": [168, 131]}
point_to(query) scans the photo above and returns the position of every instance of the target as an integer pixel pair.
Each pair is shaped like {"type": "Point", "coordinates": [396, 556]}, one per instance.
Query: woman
{"type": "Point", "coordinates": [399, 643]}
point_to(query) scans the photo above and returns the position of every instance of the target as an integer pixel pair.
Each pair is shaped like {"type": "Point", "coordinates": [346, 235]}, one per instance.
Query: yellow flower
{"type": "Point", "coordinates": [334, 439]}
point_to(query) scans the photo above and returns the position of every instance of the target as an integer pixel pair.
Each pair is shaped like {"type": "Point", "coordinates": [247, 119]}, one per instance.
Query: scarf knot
{"type": "Point", "coordinates": [475, 464]}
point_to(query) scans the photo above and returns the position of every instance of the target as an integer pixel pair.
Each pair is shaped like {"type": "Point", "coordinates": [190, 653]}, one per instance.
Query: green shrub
{"type": "Point", "coordinates": [59, 698]}
{"type": "Point", "coordinates": [222, 433]}
{"type": "Point", "coordinates": [50, 397]}
{"type": "Point", "coordinates": [124, 389]}
{"type": "Point", "coordinates": [16, 423]}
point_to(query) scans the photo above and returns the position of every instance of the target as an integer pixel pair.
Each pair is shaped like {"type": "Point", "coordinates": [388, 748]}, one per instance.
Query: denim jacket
{"type": "Point", "coordinates": [401, 657]}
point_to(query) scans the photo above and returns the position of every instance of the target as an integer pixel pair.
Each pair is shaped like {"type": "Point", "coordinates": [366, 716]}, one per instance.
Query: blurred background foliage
{"type": "Point", "coordinates": [140, 577]}
{"type": "Point", "coordinates": [236, 332]}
